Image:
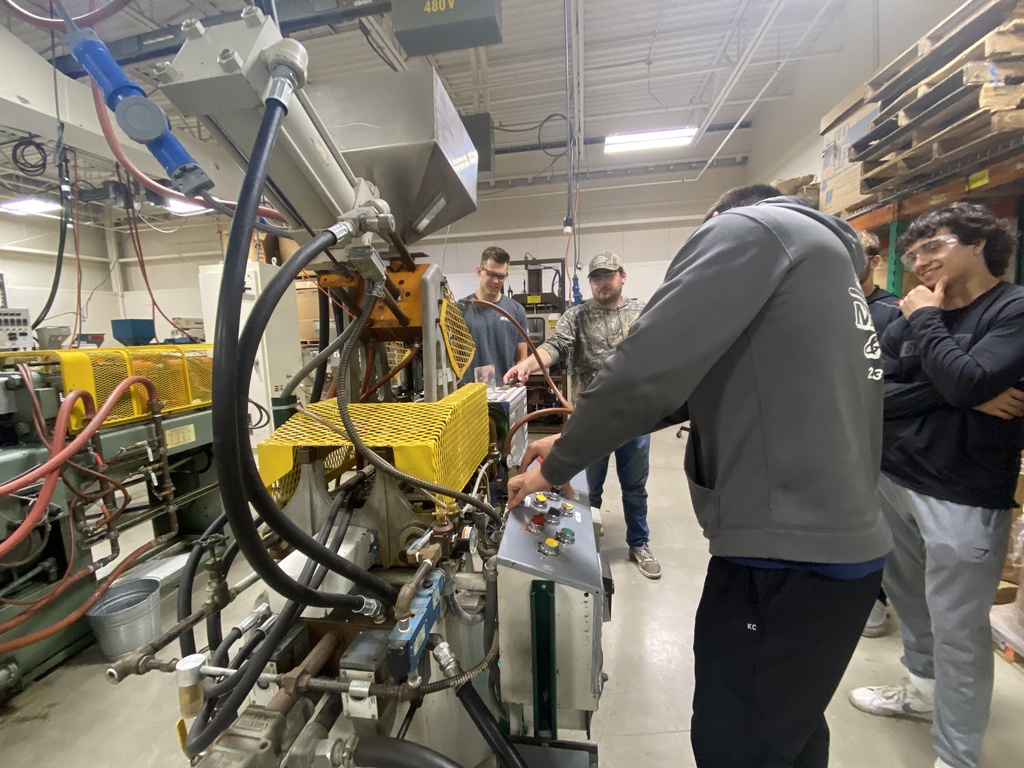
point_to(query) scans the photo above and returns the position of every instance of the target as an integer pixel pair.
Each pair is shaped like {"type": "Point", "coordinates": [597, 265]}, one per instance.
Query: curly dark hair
{"type": "Point", "coordinates": [971, 223]}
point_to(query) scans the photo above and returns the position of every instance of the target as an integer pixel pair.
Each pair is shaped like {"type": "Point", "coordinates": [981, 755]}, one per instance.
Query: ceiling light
{"type": "Point", "coordinates": [30, 206]}
{"type": "Point", "coordinates": [632, 142]}
{"type": "Point", "coordinates": [182, 208]}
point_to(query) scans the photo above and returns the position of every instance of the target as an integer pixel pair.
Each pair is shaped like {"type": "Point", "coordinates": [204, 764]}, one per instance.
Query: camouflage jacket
{"type": "Point", "coordinates": [587, 334]}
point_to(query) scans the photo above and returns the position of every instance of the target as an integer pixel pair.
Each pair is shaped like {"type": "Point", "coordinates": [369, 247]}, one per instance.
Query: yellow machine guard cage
{"type": "Point", "coordinates": [182, 375]}
{"type": "Point", "coordinates": [442, 442]}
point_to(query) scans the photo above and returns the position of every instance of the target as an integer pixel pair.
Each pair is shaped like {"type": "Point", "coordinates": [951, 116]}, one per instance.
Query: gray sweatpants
{"type": "Point", "coordinates": [942, 577]}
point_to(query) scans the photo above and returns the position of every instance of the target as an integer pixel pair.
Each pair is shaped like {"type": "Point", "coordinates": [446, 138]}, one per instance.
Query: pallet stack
{"type": "Point", "coordinates": [949, 106]}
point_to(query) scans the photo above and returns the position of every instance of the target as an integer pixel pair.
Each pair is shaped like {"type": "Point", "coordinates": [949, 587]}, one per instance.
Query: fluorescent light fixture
{"type": "Point", "coordinates": [431, 214]}
{"type": "Point", "coordinates": [30, 206]}
{"type": "Point", "coordinates": [633, 142]}
{"type": "Point", "coordinates": [180, 207]}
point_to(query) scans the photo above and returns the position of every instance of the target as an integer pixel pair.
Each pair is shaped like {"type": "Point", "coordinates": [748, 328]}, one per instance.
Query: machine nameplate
{"type": "Point", "coordinates": [179, 436]}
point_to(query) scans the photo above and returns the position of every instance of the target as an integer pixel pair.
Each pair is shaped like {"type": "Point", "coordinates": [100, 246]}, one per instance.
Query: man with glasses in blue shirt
{"type": "Point", "coordinates": [497, 341]}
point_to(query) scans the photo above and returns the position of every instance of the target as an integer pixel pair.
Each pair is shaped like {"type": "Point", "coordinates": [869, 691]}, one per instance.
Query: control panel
{"type": "Point", "coordinates": [552, 538]}
{"type": "Point", "coordinates": [15, 330]}
{"type": "Point", "coordinates": [551, 604]}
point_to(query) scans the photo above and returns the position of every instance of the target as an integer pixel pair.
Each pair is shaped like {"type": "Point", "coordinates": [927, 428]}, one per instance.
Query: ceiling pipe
{"type": "Point", "coordinates": [741, 66]}
{"type": "Point", "coordinates": [761, 93]}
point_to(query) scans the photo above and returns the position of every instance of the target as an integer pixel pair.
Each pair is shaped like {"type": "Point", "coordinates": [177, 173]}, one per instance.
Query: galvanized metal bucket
{"type": "Point", "coordinates": [127, 616]}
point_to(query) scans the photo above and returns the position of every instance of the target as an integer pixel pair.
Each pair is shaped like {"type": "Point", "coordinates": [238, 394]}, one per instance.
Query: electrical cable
{"type": "Point", "coordinates": [322, 358]}
{"type": "Point", "coordinates": [227, 423]}
{"type": "Point", "coordinates": [87, 20]}
{"type": "Point", "coordinates": [218, 206]}
{"type": "Point", "coordinates": [103, 116]}
{"type": "Point", "coordinates": [76, 327]}
{"type": "Point", "coordinates": [128, 196]}
{"type": "Point", "coordinates": [62, 237]}
{"type": "Point", "coordinates": [25, 164]}
{"type": "Point", "coordinates": [265, 419]}
{"type": "Point", "coordinates": [324, 334]}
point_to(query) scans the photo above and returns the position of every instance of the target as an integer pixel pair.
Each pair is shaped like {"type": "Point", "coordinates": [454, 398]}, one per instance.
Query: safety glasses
{"type": "Point", "coordinates": [928, 249]}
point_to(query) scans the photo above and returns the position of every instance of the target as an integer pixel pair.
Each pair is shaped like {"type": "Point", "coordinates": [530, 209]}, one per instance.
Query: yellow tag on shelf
{"type": "Point", "coordinates": [533, 298]}
{"type": "Point", "coordinates": [976, 180]}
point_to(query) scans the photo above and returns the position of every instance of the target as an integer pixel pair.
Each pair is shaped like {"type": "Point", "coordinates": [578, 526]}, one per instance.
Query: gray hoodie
{"type": "Point", "coordinates": [761, 336]}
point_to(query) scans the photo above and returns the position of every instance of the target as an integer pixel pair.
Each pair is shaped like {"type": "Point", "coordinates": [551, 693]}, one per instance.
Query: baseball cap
{"type": "Point", "coordinates": [604, 260]}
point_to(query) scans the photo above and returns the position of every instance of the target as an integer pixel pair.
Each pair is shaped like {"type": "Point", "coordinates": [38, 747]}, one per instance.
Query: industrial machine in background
{"type": "Point", "coordinates": [148, 461]}
{"type": "Point", "coordinates": [411, 619]}
{"type": "Point", "coordinates": [543, 298]}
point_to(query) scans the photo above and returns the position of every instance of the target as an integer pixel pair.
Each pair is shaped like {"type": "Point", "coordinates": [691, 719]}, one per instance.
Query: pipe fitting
{"type": "Point", "coordinates": [446, 660]}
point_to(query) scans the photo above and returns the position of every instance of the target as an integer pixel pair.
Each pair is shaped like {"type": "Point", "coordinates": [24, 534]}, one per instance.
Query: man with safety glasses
{"type": "Point", "coordinates": [953, 436]}
{"type": "Point", "coordinates": [584, 338]}
{"type": "Point", "coordinates": [497, 341]}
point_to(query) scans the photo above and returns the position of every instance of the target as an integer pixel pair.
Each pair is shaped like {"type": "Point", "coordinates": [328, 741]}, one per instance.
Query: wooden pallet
{"type": "Point", "coordinates": [955, 34]}
{"type": "Point", "coordinates": [1008, 634]}
{"type": "Point", "coordinates": [983, 132]}
{"type": "Point", "coordinates": [933, 109]}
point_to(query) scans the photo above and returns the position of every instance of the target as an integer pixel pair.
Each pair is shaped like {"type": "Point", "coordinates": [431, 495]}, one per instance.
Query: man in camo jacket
{"type": "Point", "coordinates": [585, 336]}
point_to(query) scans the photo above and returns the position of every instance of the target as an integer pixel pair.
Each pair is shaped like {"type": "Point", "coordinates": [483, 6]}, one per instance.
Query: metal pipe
{"type": "Point", "coordinates": [286, 698]}
{"type": "Point", "coordinates": [767, 85]}
{"type": "Point", "coordinates": [408, 262]}
{"type": "Point", "coordinates": [392, 304]}
{"type": "Point", "coordinates": [139, 661]}
{"type": "Point", "coordinates": [44, 565]}
{"type": "Point", "coordinates": [403, 607]}
{"type": "Point", "coordinates": [188, 498]}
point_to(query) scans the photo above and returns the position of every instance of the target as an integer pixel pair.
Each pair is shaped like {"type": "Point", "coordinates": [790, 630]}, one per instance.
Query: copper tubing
{"type": "Point", "coordinates": [288, 696]}
{"type": "Point", "coordinates": [96, 419]}
{"type": "Point", "coordinates": [403, 606]}
{"type": "Point", "coordinates": [528, 418]}
{"type": "Point", "coordinates": [530, 344]}
{"type": "Point", "coordinates": [408, 262]}
{"type": "Point", "coordinates": [371, 354]}
{"type": "Point", "coordinates": [402, 365]}
{"type": "Point", "coordinates": [57, 25]}
{"type": "Point", "coordinates": [137, 173]}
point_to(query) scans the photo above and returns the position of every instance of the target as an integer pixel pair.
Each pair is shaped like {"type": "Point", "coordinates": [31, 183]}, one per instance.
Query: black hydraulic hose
{"type": "Point", "coordinates": [187, 641]}
{"type": "Point", "coordinates": [410, 715]}
{"type": "Point", "coordinates": [482, 718]}
{"type": "Point", "coordinates": [324, 334]}
{"type": "Point", "coordinates": [255, 491]}
{"type": "Point", "coordinates": [216, 690]}
{"type": "Point", "coordinates": [65, 214]}
{"type": "Point", "coordinates": [348, 488]}
{"type": "Point", "coordinates": [208, 726]}
{"type": "Point", "coordinates": [363, 449]}
{"type": "Point", "coordinates": [223, 653]}
{"type": "Point", "coordinates": [226, 442]}
{"type": "Point", "coordinates": [384, 752]}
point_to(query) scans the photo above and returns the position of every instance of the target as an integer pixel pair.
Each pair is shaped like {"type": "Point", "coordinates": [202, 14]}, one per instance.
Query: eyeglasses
{"type": "Point", "coordinates": [602, 277]}
{"type": "Point", "coordinates": [495, 275]}
{"type": "Point", "coordinates": [928, 249]}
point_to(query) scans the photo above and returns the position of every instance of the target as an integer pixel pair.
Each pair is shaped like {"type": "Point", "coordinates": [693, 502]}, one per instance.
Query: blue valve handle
{"type": "Point", "coordinates": [95, 57]}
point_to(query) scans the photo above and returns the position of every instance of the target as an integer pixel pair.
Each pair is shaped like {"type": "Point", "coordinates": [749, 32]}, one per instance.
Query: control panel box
{"type": "Point", "coordinates": [15, 330]}
{"type": "Point", "coordinates": [549, 545]}
{"type": "Point", "coordinates": [512, 400]}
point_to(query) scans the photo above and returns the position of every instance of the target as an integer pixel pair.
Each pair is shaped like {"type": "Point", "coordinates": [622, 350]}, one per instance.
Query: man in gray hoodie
{"type": "Point", "coordinates": [761, 336]}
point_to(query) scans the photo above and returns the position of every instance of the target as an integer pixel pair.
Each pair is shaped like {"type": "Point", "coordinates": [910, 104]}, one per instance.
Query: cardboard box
{"type": "Point", "coordinates": [309, 311]}
{"type": "Point", "coordinates": [262, 248]}
{"type": "Point", "coordinates": [840, 179]}
{"type": "Point", "coordinates": [1011, 572]}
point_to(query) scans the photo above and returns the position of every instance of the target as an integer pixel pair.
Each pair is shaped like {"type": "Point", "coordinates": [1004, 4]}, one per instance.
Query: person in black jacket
{"type": "Point", "coordinates": [782, 462]}
{"type": "Point", "coordinates": [952, 441]}
{"type": "Point", "coordinates": [884, 308]}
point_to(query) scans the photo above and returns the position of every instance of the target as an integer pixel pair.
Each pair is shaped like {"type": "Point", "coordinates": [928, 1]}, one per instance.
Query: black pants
{"type": "Point", "coordinates": [770, 647]}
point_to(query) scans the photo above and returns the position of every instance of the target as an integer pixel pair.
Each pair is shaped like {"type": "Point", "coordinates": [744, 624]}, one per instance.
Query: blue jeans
{"type": "Point", "coordinates": [632, 463]}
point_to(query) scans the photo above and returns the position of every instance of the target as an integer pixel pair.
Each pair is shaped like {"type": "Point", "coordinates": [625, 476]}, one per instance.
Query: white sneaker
{"type": "Point", "coordinates": [879, 622]}
{"type": "Point", "coordinates": [903, 700]}
{"type": "Point", "coordinates": [940, 763]}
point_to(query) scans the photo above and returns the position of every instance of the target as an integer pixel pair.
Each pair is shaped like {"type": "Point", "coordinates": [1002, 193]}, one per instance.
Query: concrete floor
{"type": "Point", "coordinates": [73, 717]}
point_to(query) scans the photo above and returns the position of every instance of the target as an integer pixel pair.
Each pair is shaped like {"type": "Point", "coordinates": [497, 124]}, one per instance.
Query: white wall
{"type": "Point", "coordinates": [28, 246]}
{"type": "Point", "coordinates": [787, 140]}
